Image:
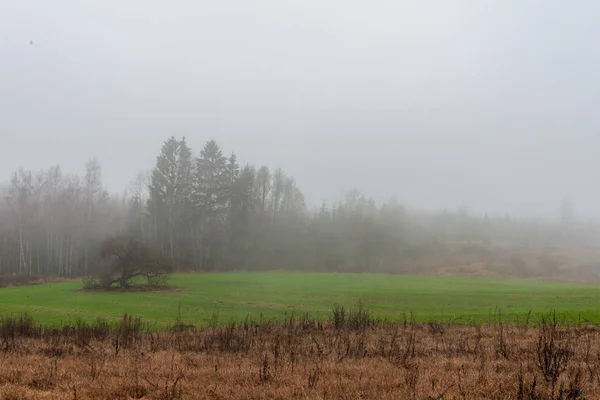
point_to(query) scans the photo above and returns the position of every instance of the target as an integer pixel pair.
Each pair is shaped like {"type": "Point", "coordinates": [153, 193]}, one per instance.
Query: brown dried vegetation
{"type": "Point", "coordinates": [351, 356]}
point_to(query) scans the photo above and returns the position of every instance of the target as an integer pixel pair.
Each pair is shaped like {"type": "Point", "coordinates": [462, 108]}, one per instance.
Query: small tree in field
{"type": "Point", "coordinates": [125, 257]}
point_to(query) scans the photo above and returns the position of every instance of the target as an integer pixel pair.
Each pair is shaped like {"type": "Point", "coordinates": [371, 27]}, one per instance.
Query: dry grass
{"type": "Point", "coordinates": [350, 357]}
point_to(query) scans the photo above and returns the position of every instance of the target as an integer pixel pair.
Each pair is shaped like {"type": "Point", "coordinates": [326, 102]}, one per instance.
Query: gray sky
{"type": "Point", "coordinates": [489, 102]}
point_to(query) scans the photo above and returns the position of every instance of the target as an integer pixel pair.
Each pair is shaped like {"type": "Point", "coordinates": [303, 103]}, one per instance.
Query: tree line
{"type": "Point", "coordinates": [205, 212]}
{"type": "Point", "coordinates": [51, 223]}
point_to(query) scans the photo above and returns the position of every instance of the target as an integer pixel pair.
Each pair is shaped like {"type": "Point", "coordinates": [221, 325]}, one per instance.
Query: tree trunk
{"type": "Point", "coordinates": [85, 260]}
{"type": "Point", "coordinates": [22, 259]}
{"type": "Point", "coordinates": [60, 258]}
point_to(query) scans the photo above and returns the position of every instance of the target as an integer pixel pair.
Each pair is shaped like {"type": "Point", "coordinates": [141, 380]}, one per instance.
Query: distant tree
{"type": "Point", "coordinates": [240, 217]}
{"type": "Point", "coordinates": [170, 197]}
{"type": "Point", "coordinates": [567, 212]}
{"type": "Point", "coordinates": [161, 201]}
{"type": "Point", "coordinates": [279, 179]}
{"type": "Point", "coordinates": [233, 169]}
{"type": "Point", "coordinates": [263, 190]}
{"type": "Point", "coordinates": [92, 193]}
{"type": "Point", "coordinates": [213, 178]}
{"type": "Point", "coordinates": [125, 257]}
{"type": "Point", "coordinates": [137, 223]}
{"type": "Point", "coordinates": [211, 189]}
{"type": "Point", "coordinates": [184, 201]}
{"type": "Point", "coordinates": [19, 198]}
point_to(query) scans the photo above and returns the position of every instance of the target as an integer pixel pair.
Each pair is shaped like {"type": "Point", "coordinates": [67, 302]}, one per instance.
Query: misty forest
{"type": "Point", "coordinates": [205, 212]}
{"type": "Point", "coordinates": [202, 212]}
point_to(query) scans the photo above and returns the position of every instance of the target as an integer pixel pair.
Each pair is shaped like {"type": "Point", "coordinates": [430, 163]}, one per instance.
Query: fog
{"type": "Point", "coordinates": [491, 104]}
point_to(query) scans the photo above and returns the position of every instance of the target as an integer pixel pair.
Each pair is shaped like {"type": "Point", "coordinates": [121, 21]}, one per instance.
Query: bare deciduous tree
{"type": "Point", "coordinates": [125, 257]}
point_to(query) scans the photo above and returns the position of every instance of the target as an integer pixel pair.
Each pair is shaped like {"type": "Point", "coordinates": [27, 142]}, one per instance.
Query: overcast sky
{"type": "Point", "coordinates": [494, 103]}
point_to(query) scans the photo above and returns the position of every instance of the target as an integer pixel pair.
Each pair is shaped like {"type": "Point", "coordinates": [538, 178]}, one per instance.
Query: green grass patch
{"type": "Point", "coordinates": [275, 294]}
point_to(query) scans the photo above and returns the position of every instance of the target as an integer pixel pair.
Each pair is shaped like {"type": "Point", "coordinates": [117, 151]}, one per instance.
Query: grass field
{"type": "Point", "coordinates": [273, 294]}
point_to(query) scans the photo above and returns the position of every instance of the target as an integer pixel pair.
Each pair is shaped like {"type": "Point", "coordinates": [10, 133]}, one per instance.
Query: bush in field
{"type": "Point", "coordinates": [125, 258]}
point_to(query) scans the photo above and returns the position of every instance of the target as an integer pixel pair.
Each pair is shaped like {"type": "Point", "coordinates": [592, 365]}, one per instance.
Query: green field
{"type": "Point", "coordinates": [273, 294]}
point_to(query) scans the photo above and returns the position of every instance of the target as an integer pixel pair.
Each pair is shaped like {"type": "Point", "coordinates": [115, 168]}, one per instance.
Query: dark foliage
{"type": "Point", "coordinates": [125, 258]}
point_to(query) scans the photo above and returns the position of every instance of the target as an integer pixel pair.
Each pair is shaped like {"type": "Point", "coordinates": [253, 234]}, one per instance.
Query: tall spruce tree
{"type": "Point", "coordinates": [183, 205]}
{"type": "Point", "coordinates": [211, 188]}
